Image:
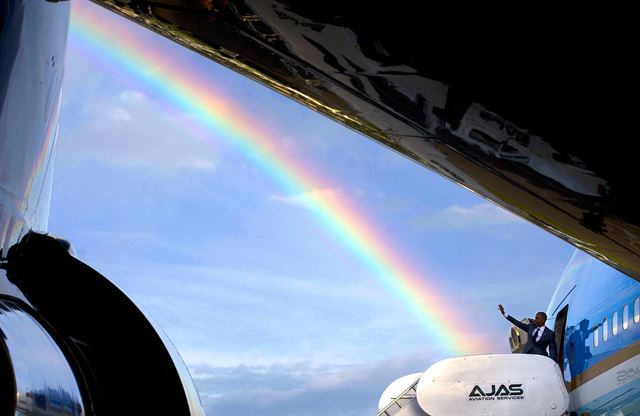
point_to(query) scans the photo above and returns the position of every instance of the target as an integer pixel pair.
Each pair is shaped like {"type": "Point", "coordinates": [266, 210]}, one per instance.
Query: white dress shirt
{"type": "Point", "coordinates": [541, 330]}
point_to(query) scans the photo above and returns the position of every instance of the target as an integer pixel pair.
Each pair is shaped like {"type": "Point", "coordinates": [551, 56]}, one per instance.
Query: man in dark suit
{"type": "Point", "coordinates": [539, 337]}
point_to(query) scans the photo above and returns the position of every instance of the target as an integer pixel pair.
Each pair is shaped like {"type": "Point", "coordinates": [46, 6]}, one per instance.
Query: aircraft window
{"type": "Point", "coordinates": [625, 317]}
{"type": "Point", "coordinates": [636, 310]}
{"type": "Point", "coordinates": [596, 336]}
{"type": "Point", "coordinates": [614, 323]}
{"type": "Point", "coordinates": [605, 330]}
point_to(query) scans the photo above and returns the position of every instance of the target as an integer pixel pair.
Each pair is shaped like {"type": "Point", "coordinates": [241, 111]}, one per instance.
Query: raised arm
{"type": "Point", "coordinates": [513, 320]}
{"type": "Point", "coordinates": [517, 323]}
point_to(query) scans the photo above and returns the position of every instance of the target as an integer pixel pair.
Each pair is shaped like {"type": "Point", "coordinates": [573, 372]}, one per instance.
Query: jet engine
{"type": "Point", "coordinates": [72, 343]}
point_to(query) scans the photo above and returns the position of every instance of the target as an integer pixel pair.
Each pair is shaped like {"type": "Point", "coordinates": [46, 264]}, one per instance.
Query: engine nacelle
{"type": "Point", "coordinates": [36, 377]}
{"type": "Point", "coordinates": [72, 343]}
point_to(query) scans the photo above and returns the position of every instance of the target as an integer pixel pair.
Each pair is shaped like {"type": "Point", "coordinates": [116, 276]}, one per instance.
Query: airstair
{"type": "Point", "coordinates": [405, 400]}
{"type": "Point", "coordinates": [488, 385]}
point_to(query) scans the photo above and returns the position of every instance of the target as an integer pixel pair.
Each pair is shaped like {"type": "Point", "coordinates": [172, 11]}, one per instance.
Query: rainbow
{"type": "Point", "coordinates": [579, 260]}
{"type": "Point", "coordinates": [116, 43]}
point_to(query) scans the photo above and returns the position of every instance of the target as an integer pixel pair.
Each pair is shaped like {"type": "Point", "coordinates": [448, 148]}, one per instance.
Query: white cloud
{"type": "Point", "coordinates": [119, 114]}
{"type": "Point", "coordinates": [301, 388]}
{"type": "Point", "coordinates": [129, 129]}
{"type": "Point", "coordinates": [131, 96]}
{"type": "Point", "coordinates": [306, 199]}
{"type": "Point", "coordinates": [479, 215]}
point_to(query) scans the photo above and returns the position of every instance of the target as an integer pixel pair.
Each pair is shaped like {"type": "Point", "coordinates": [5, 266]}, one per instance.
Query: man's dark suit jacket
{"type": "Point", "coordinates": [548, 339]}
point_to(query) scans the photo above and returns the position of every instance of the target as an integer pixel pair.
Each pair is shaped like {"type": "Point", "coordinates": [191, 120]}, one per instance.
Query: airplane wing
{"type": "Point", "coordinates": [520, 113]}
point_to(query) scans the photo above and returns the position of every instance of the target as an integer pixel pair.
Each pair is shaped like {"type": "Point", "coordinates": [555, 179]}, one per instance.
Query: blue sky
{"type": "Point", "coordinates": [259, 299]}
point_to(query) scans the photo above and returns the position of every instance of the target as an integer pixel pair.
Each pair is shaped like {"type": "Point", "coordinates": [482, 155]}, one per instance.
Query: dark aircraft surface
{"type": "Point", "coordinates": [71, 343]}
{"type": "Point", "coordinates": [527, 113]}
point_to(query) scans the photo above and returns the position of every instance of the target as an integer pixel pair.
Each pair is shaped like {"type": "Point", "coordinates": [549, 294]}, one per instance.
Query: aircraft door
{"type": "Point", "coordinates": [518, 337]}
{"type": "Point", "coordinates": [559, 329]}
